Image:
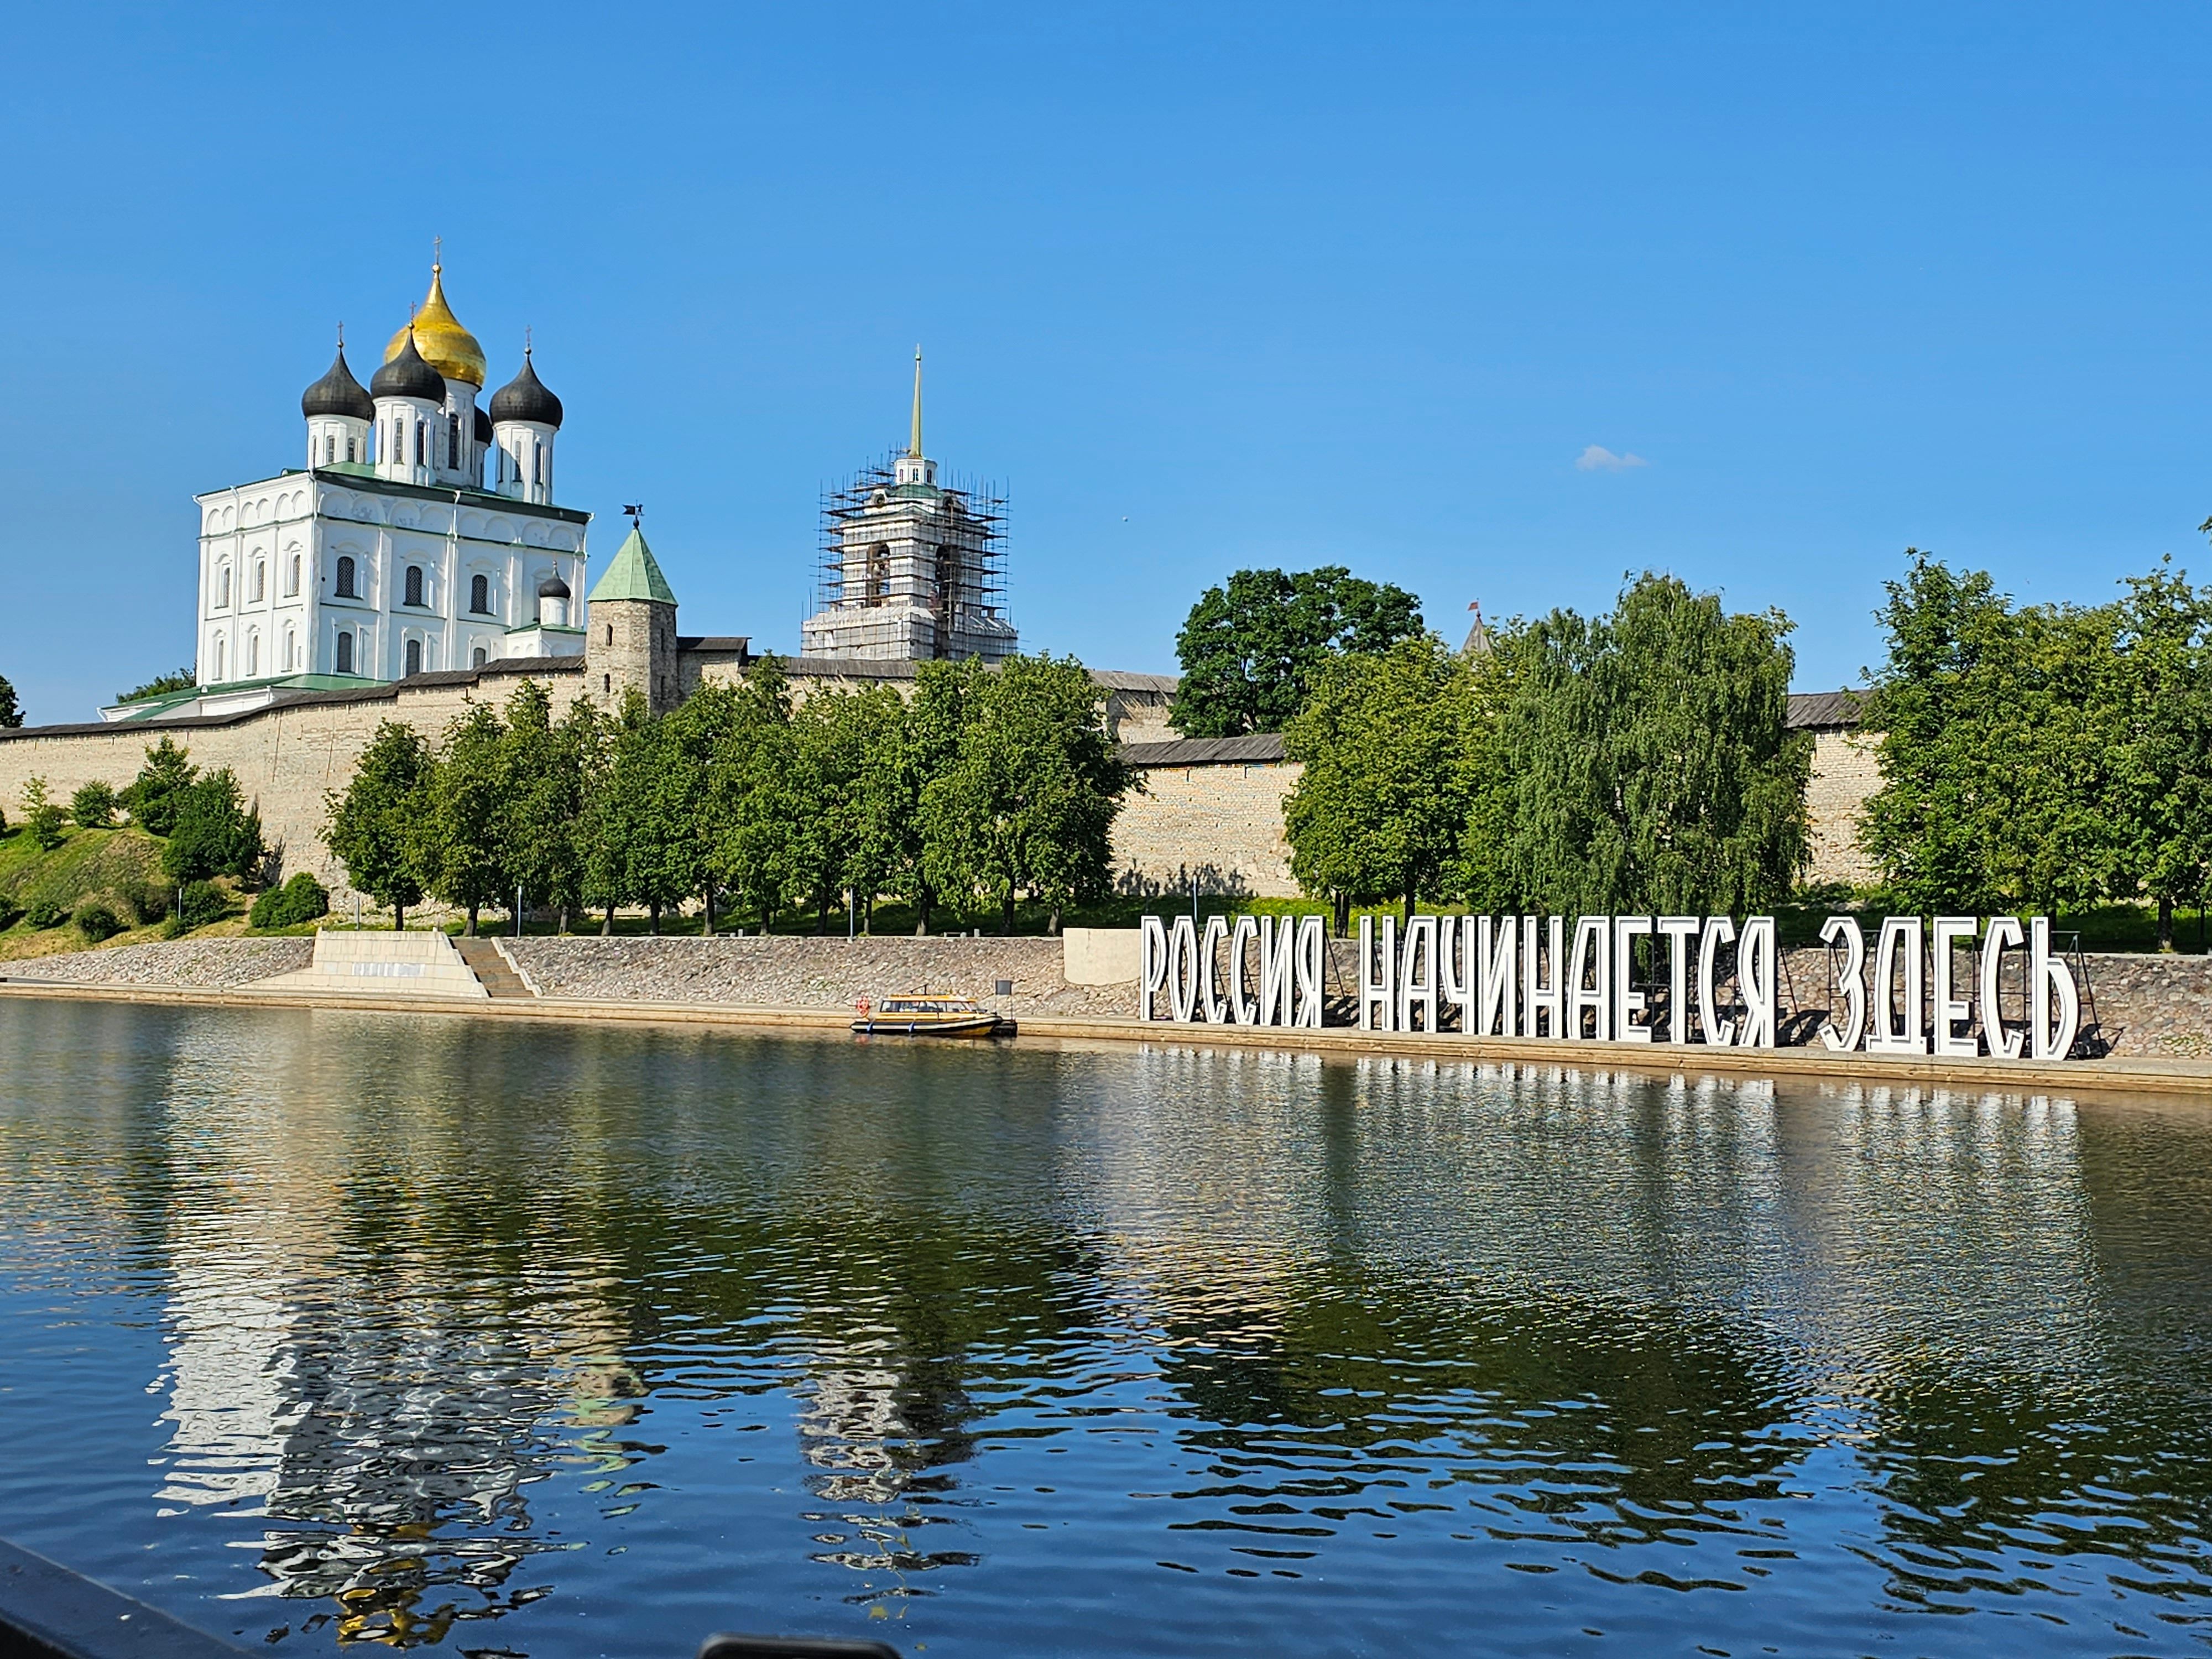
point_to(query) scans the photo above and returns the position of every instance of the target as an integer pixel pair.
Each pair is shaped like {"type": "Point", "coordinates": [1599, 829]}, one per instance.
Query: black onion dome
{"type": "Point", "coordinates": [550, 587]}
{"type": "Point", "coordinates": [408, 376]}
{"type": "Point", "coordinates": [338, 393]}
{"type": "Point", "coordinates": [483, 427]}
{"type": "Point", "coordinates": [525, 398]}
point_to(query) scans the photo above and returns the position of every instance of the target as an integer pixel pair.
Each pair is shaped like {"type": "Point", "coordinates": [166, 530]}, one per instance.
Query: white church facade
{"type": "Point", "coordinates": [421, 534]}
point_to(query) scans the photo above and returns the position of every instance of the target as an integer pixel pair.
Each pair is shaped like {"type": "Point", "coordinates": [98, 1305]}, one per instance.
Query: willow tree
{"type": "Point", "coordinates": [1640, 760]}
{"type": "Point", "coordinates": [1382, 804]}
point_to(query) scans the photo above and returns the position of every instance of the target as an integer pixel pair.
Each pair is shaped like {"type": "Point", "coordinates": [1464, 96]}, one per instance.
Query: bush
{"type": "Point", "coordinates": [150, 901]}
{"type": "Point", "coordinates": [214, 834]}
{"type": "Point", "coordinates": [93, 806]}
{"type": "Point", "coordinates": [199, 904]}
{"type": "Point", "coordinates": [41, 816]}
{"type": "Point", "coordinates": [154, 795]}
{"type": "Point", "coordinates": [300, 899]}
{"type": "Point", "coordinates": [97, 922]}
{"type": "Point", "coordinates": [10, 912]}
{"type": "Point", "coordinates": [45, 913]}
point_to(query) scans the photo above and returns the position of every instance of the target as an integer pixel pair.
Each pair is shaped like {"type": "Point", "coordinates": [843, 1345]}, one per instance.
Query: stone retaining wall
{"type": "Point", "coordinates": [207, 963]}
{"type": "Point", "coordinates": [784, 971]}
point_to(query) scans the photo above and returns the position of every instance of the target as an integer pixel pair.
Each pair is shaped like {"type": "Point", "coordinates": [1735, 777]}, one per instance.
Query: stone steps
{"type": "Point", "coordinates": [500, 981]}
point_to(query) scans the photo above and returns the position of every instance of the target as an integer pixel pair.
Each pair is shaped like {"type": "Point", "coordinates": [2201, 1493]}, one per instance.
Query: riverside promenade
{"type": "Point", "coordinates": [253, 973]}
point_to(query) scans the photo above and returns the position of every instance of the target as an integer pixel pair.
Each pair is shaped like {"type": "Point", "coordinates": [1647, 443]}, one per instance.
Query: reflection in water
{"type": "Point", "coordinates": [596, 1340]}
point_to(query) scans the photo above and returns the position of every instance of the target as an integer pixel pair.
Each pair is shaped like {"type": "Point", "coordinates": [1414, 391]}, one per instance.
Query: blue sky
{"type": "Point", "coordinates": [1201, 285]}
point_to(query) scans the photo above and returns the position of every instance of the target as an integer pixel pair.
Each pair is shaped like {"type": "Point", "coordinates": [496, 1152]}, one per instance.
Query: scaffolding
{"type": "Point", "coordinates": [911, 570]}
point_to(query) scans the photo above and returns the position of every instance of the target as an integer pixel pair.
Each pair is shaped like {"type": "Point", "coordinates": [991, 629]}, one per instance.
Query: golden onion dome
{"type": "Point", "coordinates": [444, 344]}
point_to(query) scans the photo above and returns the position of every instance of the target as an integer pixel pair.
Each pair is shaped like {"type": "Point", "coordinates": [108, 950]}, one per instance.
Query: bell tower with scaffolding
{"type": "Point", "coordinates": [911, 570]}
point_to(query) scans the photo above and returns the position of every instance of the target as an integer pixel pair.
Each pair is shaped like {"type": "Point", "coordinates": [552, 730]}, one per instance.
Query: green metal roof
{"type": "Point", "coordinates": [634, 574]}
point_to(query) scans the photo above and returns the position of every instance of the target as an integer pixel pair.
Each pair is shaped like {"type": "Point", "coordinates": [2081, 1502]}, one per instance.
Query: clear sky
{"type": "Point", "coordinates": [1202, 286]}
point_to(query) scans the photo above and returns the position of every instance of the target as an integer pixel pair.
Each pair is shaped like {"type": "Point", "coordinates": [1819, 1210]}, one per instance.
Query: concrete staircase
{"type": "Point", "coordinates": [492, 970]}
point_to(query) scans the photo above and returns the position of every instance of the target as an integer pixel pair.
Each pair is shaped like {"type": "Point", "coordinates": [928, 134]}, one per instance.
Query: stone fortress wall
{"type": "Point", "coordinates": [1210, 808]}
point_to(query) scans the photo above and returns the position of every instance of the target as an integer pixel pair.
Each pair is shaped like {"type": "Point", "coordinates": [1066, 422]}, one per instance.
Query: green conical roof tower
{"type": "Point", "coordinates": [634, 575]}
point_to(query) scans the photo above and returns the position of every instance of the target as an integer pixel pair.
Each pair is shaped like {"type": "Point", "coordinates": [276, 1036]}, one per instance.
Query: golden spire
{"type": "Point", "coordinates": [913, 443]}
{"type": "Point", "coordinates": [444, 344]}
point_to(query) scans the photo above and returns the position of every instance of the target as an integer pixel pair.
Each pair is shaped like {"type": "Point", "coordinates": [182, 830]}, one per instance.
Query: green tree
{"type": "Point", "coordinates": [2003, 745]}
{"type": "Point", "coordinates": [829, 751]}
{"type": "Point", "coordinates": [177, 679]}
{"type": "Point", "coordinates": [541, 799]}
{"type": "Point", "coordinates": [460, 844]}
{"type": "Point", "coordinates": [877, 851]}
{"type": "Point", "coordinates": [216, 832]}
{"type": "Point", "coordinates": [1384, 794]}
{"type": "Point", "coordinates": [93, 806]}
{"type": "Point", "coordinates": [644, 817]}
{"type": "Point", "coordinates": [41, 816]}
{"type": "Point", "coordinates": [925, 745]}
{"type": "Point", "coordinates": [1029, 801]}
{"type": "Point", "coordinates": [1253, 649]}
{"type": "Point", "coordinates": [373, 824]}
{"type": "Point", "coordinates": [11, 711]}
{"type": "Point", "coordinates": [748, 809]}
{"type": "Point", "coordinates": [153, 796]}
{"type": "Point", "coordinates": [2165, 761]}
{"type": "Point", "coordinates": [1640, 760]}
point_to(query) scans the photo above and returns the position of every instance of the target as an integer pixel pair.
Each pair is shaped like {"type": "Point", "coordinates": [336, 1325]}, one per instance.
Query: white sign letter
{"type": "Point", "coordinates": [1897, 1031]}
{"type": "Point", "coordinates": [1628, 1002]}
{"type": "Point", "coordinates": [1719, 931]}
{"type": "Point", "coordinates": [1312, 942]}
{"type": "Point", "coordinates": [1845, 931]}
{"type": "Point", "coordinates": [1591, 960]}
{"type": "Point", "coordinates": [1757, 960]}
{"type": "Point", "coordinates": [1152, 975]}
{"type": "Point", "coordinates": [1951, 1012]}
{"type": "Point", "coordinates": [2003, 934]}
{"type": "Point", "coordinates": [2047, 974]}
{"type": "Point", "coordinates": [1678, 932]}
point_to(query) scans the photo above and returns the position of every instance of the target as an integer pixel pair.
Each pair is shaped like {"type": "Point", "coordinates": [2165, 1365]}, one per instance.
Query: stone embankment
{"type": "Point", "coordinates": [211, 964]}
{"type": "Point", "coordinates": [784, 971]}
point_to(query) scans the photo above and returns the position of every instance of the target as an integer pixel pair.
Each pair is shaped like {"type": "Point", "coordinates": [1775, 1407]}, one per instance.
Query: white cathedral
{"type": "Point", "coordinates": [420, 535]}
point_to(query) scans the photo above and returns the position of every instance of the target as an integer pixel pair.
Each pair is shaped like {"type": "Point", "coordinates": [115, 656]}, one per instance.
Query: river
{"type": "Point", "coordinates": [319, 1327]}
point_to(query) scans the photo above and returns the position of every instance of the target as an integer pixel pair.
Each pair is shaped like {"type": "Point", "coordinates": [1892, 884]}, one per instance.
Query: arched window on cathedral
{"type": "Point", "coordinates": [329, 448]}
{"type": "Point", "coordinates": [345, 581]}
{"type": "Point", "coordinates": [537, 462]}
{"type": "Point", "coordinates": [350, 449]}
{"type": "Point", "coordinates": [421, 443]}
{"type": "Point", "coordinates": [879, 573]}
{"type": "Point", "coordinates": [345, 653]}
{"type": "Point", "coordinates": [260, 580]}
{"type": "Point", "coordinates": [453, 441]}
{"type": "Point", "coordinates": [480, 595]}
{"type": "Point", "coordinates": [252, 655]}
{"type": "Point", "coordinates": [223, 587]}
{"type": "Point", "coordinates": [476, 658]}
{"type": "Point", "coordinates": [216, 677]}
{"type": "Point", "coordinates": [413, 656]}
{"type": "Point", "coordinates": [414, 584]}
{"type": "Point", "coordinates": [292, 577]}
{"type": "Point", "coordinates": [291, 651]}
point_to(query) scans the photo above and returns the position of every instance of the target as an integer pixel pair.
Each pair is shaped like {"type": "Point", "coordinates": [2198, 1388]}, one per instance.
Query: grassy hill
{"type": "Point", "coordinates": [91, 866]}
